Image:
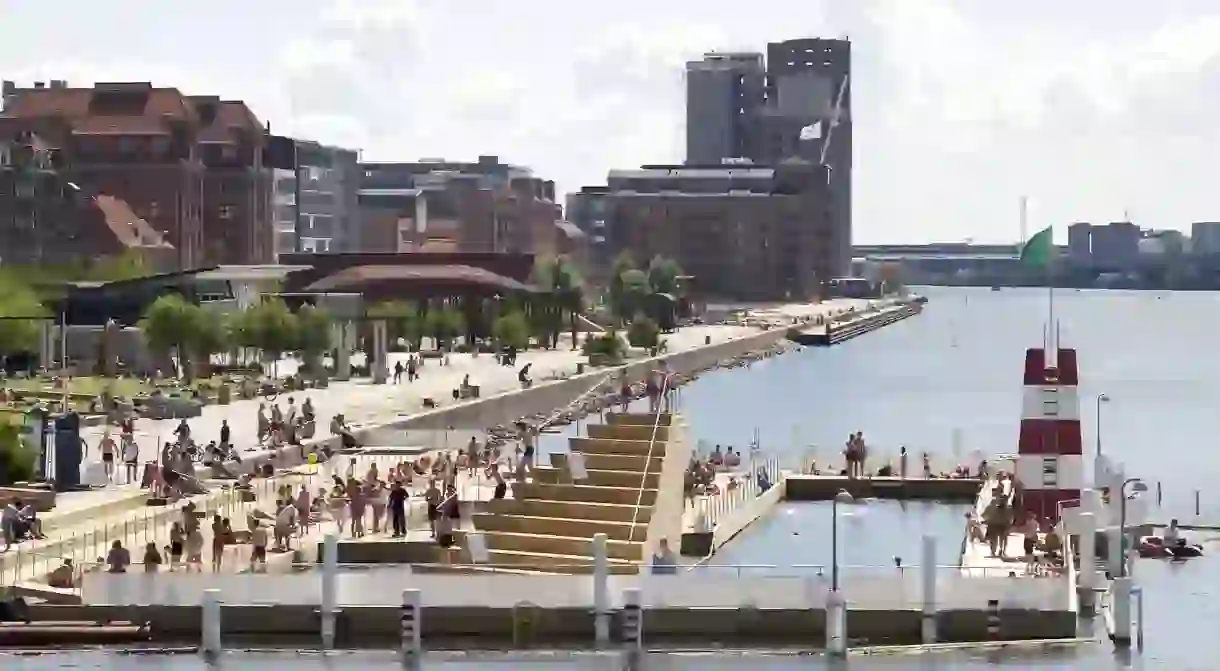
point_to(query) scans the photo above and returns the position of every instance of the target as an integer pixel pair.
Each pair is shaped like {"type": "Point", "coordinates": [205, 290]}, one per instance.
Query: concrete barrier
{"type": "Point", "coordinates": [824, 487]}
{"type": "Point", "coordinates": [508, 406]}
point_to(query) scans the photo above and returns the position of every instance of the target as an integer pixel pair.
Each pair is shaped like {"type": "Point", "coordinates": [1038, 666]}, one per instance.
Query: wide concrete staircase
{"type": "Point", "coordinates": [549, 524]}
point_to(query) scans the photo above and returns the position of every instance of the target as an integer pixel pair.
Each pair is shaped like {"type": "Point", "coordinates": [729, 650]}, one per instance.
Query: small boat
{"type": "Point", "coordinates": [1154, 547]}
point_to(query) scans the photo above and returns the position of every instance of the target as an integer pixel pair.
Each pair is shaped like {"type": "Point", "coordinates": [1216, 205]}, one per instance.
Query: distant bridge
{"type": "Point", "coordinates": [937, 250]}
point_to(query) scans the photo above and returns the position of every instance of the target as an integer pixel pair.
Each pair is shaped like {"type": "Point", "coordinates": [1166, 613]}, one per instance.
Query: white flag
{"type": "Point", "coordinates": [812, 131]}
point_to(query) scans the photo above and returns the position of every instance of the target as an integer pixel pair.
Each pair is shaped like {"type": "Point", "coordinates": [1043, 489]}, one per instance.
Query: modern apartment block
{"type": "Point", "coordinates": [796, 103]}
{"type": "Point", "coordinates": [189, 166]}
{"type": "Point", "coordinates": [315, 196]}
{"type": "Point", "coordinates": [742, 232]}
{"type": "Point", "coordinates": [437, 205]}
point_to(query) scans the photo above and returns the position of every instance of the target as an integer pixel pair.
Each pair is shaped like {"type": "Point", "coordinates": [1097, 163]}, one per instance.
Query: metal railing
{"type": "Point", "coordinates": [662, 402]}
{"type": "Point", "coordinates": [575, 402]}
{"type": "Point", "coordinates": [726, 501]}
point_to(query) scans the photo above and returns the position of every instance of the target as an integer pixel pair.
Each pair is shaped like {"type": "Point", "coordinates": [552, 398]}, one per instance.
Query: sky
{"type": "Point", "coordinates": [1095, 110]}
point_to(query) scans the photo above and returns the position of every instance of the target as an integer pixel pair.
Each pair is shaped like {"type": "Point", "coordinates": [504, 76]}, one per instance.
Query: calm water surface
{"type": "Point", "coordinates": [954, 369]}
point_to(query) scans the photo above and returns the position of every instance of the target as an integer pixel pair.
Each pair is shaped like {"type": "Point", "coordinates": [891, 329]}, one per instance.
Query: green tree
{"type": "Point", "coordinates": [313, 336]}
{"type": "Point", "coordinates": [18, 461]}
{"type": "Point", "coordinates": [18, 334]}
{"type": "Point", "coordinates": [444, 324]}
{"type": "Point", "coordinates": [635, 293]}
{"type": "Point", "coordinates": [643, 332]}
{"type": "Point", "coordinates": [664, 277]}
{"type": "Point", "coordinates": [618, 288]}
{"type": "Point", "coordinates": [565, 289]}
{"type": "Point", "coordinates": [512, 330]}
{"type": "Point", "coordinates": [170, 327]}
{"type": "Point", "coordinates": [402, 320]}
{"type": "Point", "coordinates": [272, 328]}
{"type": "Point", "coordinates": [211, 335]}
{"type": "Point", "coordinates": [128, 265]}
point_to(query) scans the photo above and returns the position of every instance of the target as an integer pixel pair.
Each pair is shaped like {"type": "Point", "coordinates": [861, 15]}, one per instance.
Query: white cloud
{"type": "Point", "coordinates": [1088, 107]}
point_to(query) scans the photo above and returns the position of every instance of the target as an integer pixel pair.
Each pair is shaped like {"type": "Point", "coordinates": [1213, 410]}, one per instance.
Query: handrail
{"type": "Point", "coordinates": [652, 441]}
{"type": "Point", "coordinates": [555, 416]}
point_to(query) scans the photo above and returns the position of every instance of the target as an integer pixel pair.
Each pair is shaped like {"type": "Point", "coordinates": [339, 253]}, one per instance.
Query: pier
{"type": "Point", "coordinates": [849, 326]}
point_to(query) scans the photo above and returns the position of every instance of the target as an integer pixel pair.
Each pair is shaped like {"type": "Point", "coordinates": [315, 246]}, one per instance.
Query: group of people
{"type": "Point", "coordinates": [20, 522]}
{"type": "Point", "coordinates": [1001, 519]}
{"type": "Point", "coordinates": [286, 426]}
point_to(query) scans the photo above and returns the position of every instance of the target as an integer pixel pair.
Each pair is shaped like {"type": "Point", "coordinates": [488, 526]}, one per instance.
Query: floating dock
{"type": "Point", "coordinates": [834, 333]}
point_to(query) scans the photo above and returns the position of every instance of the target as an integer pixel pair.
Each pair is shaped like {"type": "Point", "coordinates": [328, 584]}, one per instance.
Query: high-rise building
{"type": "Point", "coordinates": [1080, 250]}
{"type": "Point", "coordinates": [315, 196]}
{"type": "Point", "coordinates": [795, 105]}
{"type": "Point", "coordinates": [725, 94]}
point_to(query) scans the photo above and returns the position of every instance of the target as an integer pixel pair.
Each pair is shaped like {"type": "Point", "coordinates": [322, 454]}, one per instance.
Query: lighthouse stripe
{"type": "Point", "coordinates": [1044, 436]}
{"type": "Point", "coordinates": [1051, 471]}
{"type": "Point", "coordinates": [1050, 402]}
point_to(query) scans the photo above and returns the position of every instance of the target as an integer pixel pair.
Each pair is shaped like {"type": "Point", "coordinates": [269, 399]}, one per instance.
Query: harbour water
{"type": "Point", "coordinates": [956, 369]}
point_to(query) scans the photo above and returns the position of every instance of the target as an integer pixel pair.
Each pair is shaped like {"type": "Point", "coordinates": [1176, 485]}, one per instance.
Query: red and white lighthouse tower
{"type": "Point", "coordinates": [1050, 465]}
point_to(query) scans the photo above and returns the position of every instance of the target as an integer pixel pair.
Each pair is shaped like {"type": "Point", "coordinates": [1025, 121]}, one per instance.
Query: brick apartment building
{"type": "Point", "coordinates": [485, 206]}
{"type": "Point", "coordinates": [744, 233]}
{"type": "Point", "coordinates": [188, 166]}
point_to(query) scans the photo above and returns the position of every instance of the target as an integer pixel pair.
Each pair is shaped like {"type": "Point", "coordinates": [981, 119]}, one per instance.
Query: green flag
{"type": "Point", "coordinates": [1039, 250]}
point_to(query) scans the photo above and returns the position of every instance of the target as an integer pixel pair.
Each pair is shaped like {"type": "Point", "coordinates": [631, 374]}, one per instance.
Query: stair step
{"type": "Point", "coordinates": [564, 545]}
{"type": "Point", "coordinates": [587, 510]}
{"type": "Point", "coordinates": [634, 463]}
{"type": "Point", "coordinates": [585, 493]}
{"type": "Point", "coordinates": [590, 446]}
{"type": "Point", "coordinates": [628, 432]}
{"type": "Point", "coordinates": [560, 526]}
{"type": "Point", "coordinates": [544, 562]}
{"type": "Point", "coordinates": [638, 419]}
{"type": "Point", "coordinates": [598, 478]}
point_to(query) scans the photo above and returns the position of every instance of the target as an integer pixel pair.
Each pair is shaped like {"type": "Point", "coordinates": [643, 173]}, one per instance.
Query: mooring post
{"type": "Point", "coordinates": [412, 651]}
{"type": "Point", "coordinates": [1121, 593]}
{"type": "Point", "coordinates": [632, 628]}
{"type": "Point", "coordinates": [601, 591]}
{"type": "Point", "coordinates": [211, 646]}
{"type": "Point", "coordinates": [928, 575]}
{"type": "Point", "coordinates": [836, 624]}
{"type": "Point", "coordinates": [330, 577]}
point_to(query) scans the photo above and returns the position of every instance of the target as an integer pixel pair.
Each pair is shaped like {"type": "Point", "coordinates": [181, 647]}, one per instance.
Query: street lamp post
{"type": "Point", "coordinates": [842, 497]}
{"type": "Point", "coordinates": [1137, 486]}
{"type": "Point", "coordinates": [1101, 398]}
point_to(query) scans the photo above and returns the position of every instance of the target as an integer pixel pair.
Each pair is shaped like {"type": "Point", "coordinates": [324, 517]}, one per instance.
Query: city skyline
{"type": "Point", "coordinates": [1090, 110]}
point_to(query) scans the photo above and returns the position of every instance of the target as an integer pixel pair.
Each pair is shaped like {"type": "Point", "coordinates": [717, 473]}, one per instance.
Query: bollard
{"type": "Point", "coordinates": [928, 575]}
{"type": "Point", "coordinates": [525, 624]}
{"type": "Point", "coordinates": [601, 593]}
{"type": "Point", "coordinates": [632, 623]}
{"type": "Point", "coordinates": [1138, 594]}
{"type": "Point", "coordinates": [410, 628]}
{"type": "Point", "coordinates": [1121, 603]}
{"type": "Point", "coordinates": [330, 577]}
{"type": "Point", "coordinates": [211, 647]}
{"type": "Point", "coordinates": [993, 619]}
{"type": "Point", "coordinates": [836, 624]}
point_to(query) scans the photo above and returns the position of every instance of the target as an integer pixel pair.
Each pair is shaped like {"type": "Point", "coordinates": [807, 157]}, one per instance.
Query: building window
{"type": "Point", "coordinates": [228, 152]}
{"type": "Point", "coordinates": [160, 145]}
{"type": "Point", "coordinates": [226, 212]}
{"type": "Point", "coordinates": [127, 145]}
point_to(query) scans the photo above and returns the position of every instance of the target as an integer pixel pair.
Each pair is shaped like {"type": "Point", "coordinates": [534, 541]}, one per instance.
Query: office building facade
{"type": "Point", "coordinates": [795, 104]}
{"type": "Point", "coordinates": [315, 196]}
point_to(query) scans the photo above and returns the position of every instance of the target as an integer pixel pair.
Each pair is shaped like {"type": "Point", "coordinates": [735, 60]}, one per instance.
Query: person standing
{"type": "Point", "coordinates": [398, 510]}
{"type": "Point", "coordinates": [108, 448]}
{"type": "Point", "coordinates": [131, 457]}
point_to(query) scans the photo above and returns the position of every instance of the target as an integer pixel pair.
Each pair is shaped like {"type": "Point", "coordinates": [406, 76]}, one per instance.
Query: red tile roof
{"type": "Point", "coordinates": [130, 230]}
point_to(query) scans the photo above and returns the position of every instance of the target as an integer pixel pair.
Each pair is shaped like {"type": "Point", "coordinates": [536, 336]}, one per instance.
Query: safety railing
{"type": "Point", "coordinates": [597, 387]}
{"type": "Point", "coordinates": [662, 402]}
{"type": "Point", "coordinates": [827, 460]}
{"type": "Point", "coordinates": [744, 487]}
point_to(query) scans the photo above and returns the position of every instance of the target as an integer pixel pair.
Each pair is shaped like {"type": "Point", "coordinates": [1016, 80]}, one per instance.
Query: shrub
{"type": "Point", "coordinates": [643, 332]}
{"type": "Point", "coordinates": [18, 461]}
{"type": "Point", "coordinates": [606, 345]}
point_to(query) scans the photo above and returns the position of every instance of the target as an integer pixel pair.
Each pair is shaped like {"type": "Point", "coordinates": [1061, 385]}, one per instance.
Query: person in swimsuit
{"type": "Point", "coordinates": [108, 449]}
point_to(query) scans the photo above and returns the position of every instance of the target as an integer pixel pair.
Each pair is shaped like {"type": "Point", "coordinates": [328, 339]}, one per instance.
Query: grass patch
{"type": "Point", "coordinates": [93, 386]}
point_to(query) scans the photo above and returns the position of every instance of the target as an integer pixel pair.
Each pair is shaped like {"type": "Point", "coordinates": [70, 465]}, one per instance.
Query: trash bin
{"type": "Point", "coordinates": [707, 340]}
{"type": "Point", "coordinates": [580, 368]}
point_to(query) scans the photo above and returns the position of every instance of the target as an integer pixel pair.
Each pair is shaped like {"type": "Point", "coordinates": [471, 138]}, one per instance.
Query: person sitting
{"type": "Point", "coordinates": [1052, 545]}
{"type": "Point", "coordinates": [523, 376]}
{"type": "Point", "coordinates": [33, 525]}
{"type": "Point", "coordinates": [339, 427]}
{"type": "Point", "coordinates": [732, 459]}
{"type": "Point", "coordinates": [63, 576]}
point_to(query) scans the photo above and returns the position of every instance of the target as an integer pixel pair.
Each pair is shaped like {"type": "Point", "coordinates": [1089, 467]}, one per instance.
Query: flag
{"type": "Point", "coordinates": [812, 132]}
{"type": "Point", "coordinates": [1039, 251]}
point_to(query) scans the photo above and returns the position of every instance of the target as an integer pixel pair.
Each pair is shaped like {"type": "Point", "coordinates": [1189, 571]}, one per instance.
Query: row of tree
{"type": "Point", "coordinates": [634, 291]}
